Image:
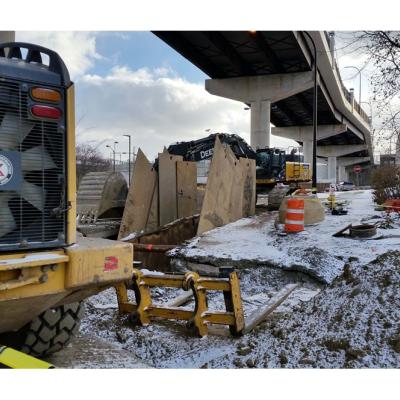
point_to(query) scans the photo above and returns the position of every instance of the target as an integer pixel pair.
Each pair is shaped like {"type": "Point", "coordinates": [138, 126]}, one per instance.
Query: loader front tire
{"type": "Point", "coordinates": [50, 331]}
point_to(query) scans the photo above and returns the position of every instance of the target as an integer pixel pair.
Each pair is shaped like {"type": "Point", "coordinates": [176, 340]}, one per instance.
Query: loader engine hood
{"type": "Point", "coordinates": [33, 124]}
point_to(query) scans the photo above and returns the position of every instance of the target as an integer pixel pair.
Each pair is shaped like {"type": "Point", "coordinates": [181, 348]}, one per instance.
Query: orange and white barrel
{"type": "Point", "coordinates": [294, 221]}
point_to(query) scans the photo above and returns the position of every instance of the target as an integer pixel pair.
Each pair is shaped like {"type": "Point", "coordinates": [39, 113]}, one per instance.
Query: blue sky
{"type": "Point", "coordinates": [142, 49]}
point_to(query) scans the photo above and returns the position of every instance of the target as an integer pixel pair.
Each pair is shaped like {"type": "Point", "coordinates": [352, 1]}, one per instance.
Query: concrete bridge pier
{"type": "Point", "coordinates": [260, 92]}
{"type": "Point", "coordinates": [343, 176]}
{"type": "Point", "coordinates": [345, 165]}
{"type": "Point", "coordinates": [260, 125]}
{"type": "Point", "coordinates": [308, 151]}
{"type": "Point", "coordinates": [332, 169]}
{"type": "Point", "coordinates": [304, 134]}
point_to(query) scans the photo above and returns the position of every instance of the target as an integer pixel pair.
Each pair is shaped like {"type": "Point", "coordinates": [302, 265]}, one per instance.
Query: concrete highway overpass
{"type": "Point", "coordinates": [272, 72]}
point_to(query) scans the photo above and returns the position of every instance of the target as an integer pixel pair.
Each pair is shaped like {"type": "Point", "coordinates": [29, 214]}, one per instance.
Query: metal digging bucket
{"type": "Point", "coordinates": [362, 231]}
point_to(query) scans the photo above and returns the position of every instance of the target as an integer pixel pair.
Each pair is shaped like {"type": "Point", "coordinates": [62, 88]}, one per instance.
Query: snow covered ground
{"type": "Point", "coordinates": [254, 241]}
{"type": "Point", "coordinates": [345, 314]}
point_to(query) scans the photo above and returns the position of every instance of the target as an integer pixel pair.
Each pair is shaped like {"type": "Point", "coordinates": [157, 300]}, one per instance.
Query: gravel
{"type": "Point", "coordinates": [352, 323]}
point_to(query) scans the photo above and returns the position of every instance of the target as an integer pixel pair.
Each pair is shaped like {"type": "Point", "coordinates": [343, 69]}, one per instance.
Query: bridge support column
{"type": "Point", "coordinates": [343, 175]}
{"type": "Point", "coordinates": [332, 169]}
{"type": "Point", "coordinates": [308, 151]}
{"type": "Point", "coordinates": [260, 128]}
{"type": "Point", "coordinates": [260, 91]}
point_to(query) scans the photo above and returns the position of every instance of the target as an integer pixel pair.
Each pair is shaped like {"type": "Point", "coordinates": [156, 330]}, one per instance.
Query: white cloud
{"type": "Point", "coordinates": [155, 108]}
{"type": "Point", "coordinates": [77, 49]}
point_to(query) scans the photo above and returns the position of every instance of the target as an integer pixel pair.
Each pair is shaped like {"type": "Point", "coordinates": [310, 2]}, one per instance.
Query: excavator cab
{"type": "Point", "coordinates": [270, 164]}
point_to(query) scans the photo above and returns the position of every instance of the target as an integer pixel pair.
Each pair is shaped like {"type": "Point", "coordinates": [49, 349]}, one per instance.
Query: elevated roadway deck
{"type": "Point", "coordinates": [272, 72]}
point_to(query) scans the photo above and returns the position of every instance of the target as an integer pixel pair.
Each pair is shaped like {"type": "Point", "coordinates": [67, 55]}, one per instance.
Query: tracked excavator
{"type": "Point", "coordinates": [45, 271]}
{"type": "Point", "coordinates": [273, 165]}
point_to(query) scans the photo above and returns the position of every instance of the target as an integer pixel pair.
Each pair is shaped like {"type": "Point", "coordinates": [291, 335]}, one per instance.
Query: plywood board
{"type": "Point", "coordinates": [167, 187]}
{"type": "Point", "coordinates": [153, 218]}
{"type": "Point", "coordinates": [138, 201]}
{"type": "Point", "coordinates": [186, 188]}
{"type": "Point", "coordinates": [249, 187]}
{"type": "Point", "coordinates": [230, 191]}
{"type": "Point", "coordinates": [217, 203]}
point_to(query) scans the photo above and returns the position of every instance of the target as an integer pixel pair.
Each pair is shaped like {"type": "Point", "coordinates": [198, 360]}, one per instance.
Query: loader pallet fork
{"type": "Point", "coordinates": [11, 358]}
{"type": "Point", "coordinates": [198, 319]}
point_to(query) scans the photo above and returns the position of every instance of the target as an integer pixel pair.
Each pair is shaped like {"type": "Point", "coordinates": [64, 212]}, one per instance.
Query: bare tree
{"type": "Point", "coordinates": [383, 47]}
{"type": "Point", "coordinates": [89, 159]}
{"type": "Point", "coordinates": [383, 50]}
{"type": "Point", "coordinates": [383, 61]}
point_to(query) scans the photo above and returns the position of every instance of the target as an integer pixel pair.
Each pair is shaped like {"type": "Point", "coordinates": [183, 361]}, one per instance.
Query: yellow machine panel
{"type": "Point", "coordinates": [31, 274]}
{"type": "Point", "coordinates": [96, 261]}
{"type": "Point", "coordinates": [297, 171]}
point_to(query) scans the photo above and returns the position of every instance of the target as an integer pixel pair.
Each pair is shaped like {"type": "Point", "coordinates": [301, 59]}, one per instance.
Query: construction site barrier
{"type": "Point", "coordinates": [294, 221]}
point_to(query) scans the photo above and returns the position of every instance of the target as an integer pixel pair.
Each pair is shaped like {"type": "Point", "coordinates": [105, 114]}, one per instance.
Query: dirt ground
{"type": "Point", "coordinates": [351, 320]}
{"type": "Point", "coordinates": [89, 351]}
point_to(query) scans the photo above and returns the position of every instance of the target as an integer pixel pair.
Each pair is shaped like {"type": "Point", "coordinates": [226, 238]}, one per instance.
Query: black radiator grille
{"type": "Point", "coordinates": [32, 215]}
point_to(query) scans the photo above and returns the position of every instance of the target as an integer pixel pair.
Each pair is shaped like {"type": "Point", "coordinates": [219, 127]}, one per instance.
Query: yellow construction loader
{"type": "Point", "coordinates": [45, 271]}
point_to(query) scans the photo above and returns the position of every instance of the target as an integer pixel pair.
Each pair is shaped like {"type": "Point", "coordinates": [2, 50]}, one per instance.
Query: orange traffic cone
{"type": "Point", "coordinates": [294, 221]}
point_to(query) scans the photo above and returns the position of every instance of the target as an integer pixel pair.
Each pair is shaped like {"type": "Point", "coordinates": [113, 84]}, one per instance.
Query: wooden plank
{"type": "Point", "coordinates": [181, 300]}
{"type": "Point", "coordinates": [341, 232]}
{"type": "Point", "coordinates": [153, 248]}
{"type": "Point", "coordinates": [167, 187]}
{"type": "Point", "coordinates": [186, 188]}
{"type": "Point", "coordinates": [230, 190]}
{"type": "Point", "coordinates": [249, 187]}
{"type": "Point", "coordinates": [261, 315]}
{"type": "Point", "coordinates": [139, 197]}
{"type": "Point", "coordinates": [216, 208]}
{"type": "Point", "coordinates": [153, 221]}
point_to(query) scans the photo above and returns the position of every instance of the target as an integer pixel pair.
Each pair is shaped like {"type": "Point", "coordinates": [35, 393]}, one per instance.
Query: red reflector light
{"type": "Point", "coordinates": [46, 112]}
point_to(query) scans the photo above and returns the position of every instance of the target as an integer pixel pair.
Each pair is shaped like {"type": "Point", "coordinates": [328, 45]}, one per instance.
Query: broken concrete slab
{"type": "Point", "coordinates": [251, 242]}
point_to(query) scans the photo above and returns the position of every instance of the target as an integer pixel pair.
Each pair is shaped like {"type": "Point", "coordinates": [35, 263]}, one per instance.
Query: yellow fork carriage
{"type": "Point", "coordinates": [200, 317]}
{"type": "Point", "coordinates": [45, 271]}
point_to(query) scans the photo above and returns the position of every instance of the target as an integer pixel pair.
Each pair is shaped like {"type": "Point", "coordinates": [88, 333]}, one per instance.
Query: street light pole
{"type": "Point", "coordinates": [315, 116]}
{"type": "Point", "coordinates": [113, 150]}
{"type": "Point", "coordinates": [129, 160]}
{"type": "Point", "coordinates": [359, 73]}
{"type": "Point", "coordinates": [113, 156]}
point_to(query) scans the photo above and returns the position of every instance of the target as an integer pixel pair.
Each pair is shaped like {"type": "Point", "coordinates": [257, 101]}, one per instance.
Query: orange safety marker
{"type": "Point", "coordinates": [294, 221]}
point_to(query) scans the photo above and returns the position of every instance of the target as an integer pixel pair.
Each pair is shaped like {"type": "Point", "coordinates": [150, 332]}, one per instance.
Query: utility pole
{"type": "Point", "coordinates": [113, 150]}
{"type": "Point", "coordinates": [315, 117]}
{"type": "Point", "coordinates": [129, 160]}
{"type": "Point", "coordinates": [114, 154]}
